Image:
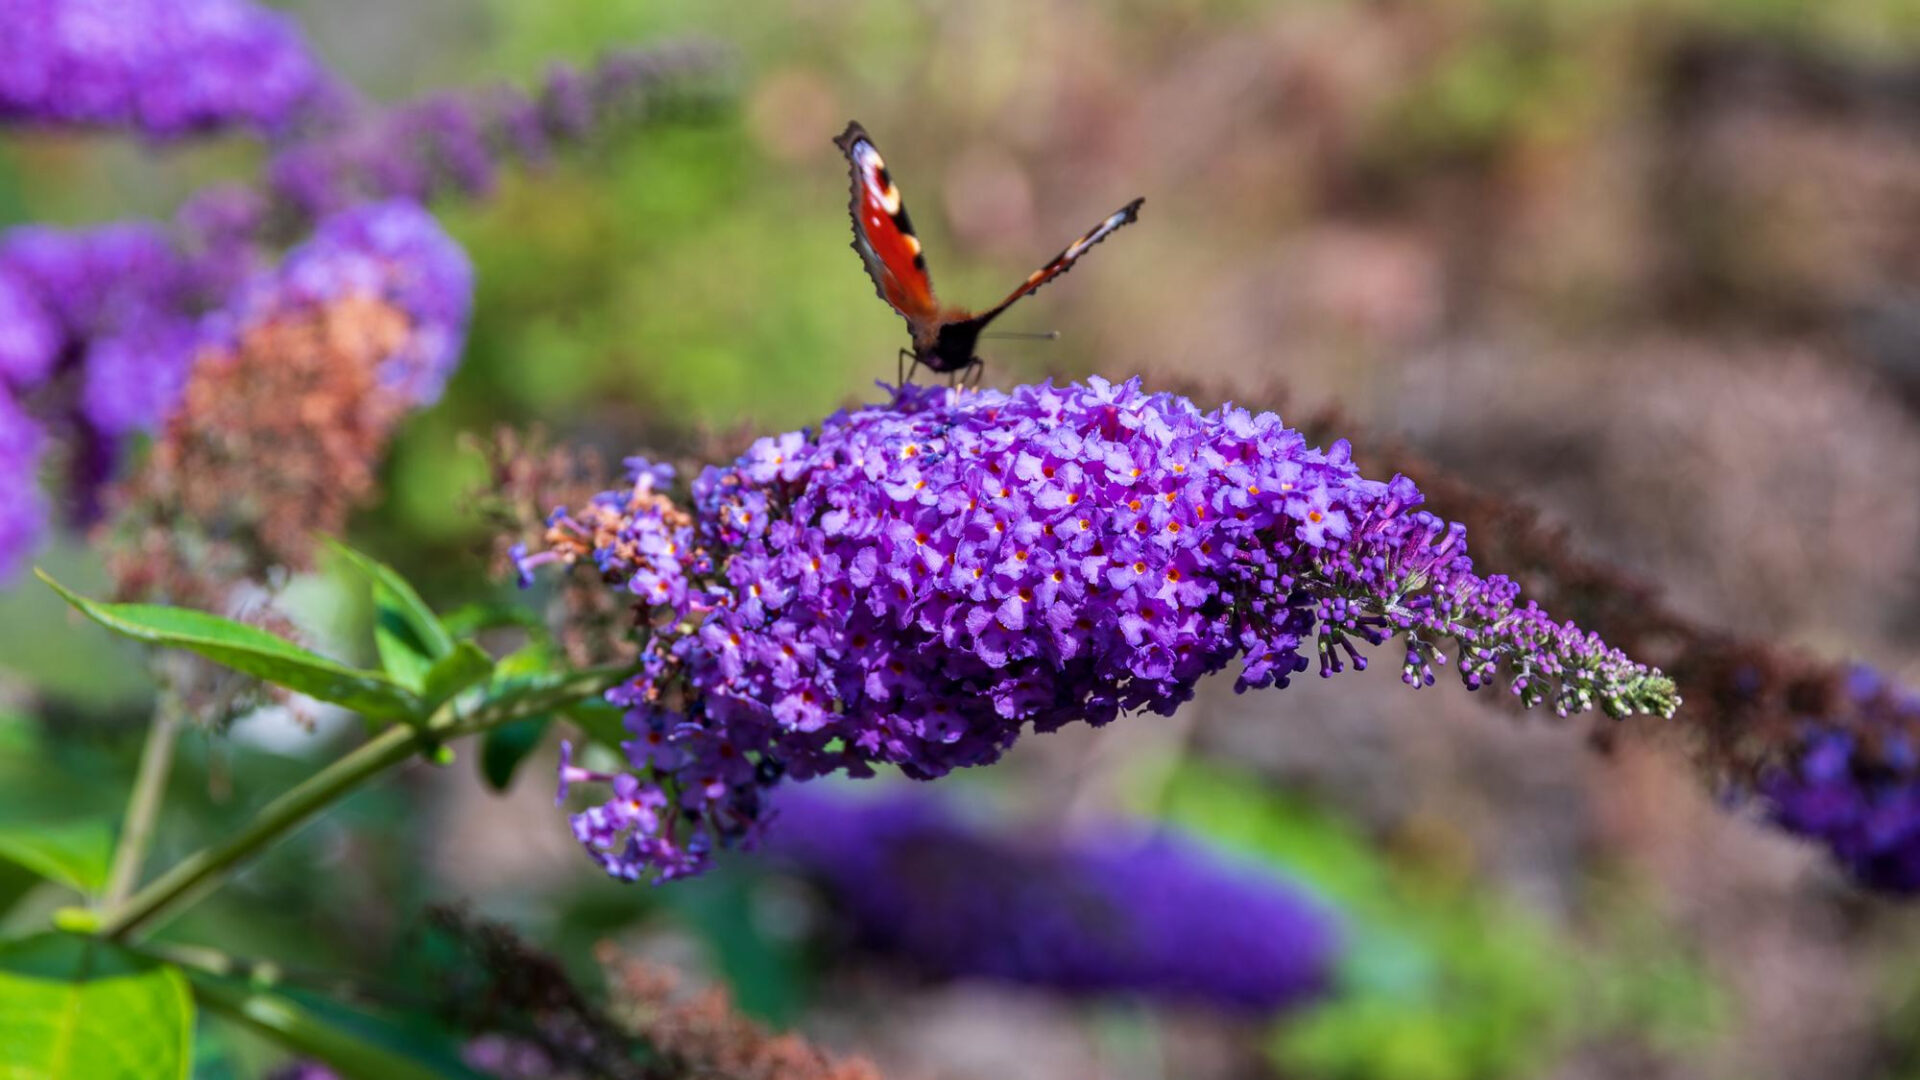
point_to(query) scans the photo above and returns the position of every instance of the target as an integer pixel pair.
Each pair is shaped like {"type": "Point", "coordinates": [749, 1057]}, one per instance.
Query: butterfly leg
{"type": "Point", "coordinates": [973, 373]}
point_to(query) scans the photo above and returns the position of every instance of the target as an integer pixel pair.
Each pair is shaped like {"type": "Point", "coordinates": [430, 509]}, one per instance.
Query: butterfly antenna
{"type": "Point", "coordinates": [1049, 335]}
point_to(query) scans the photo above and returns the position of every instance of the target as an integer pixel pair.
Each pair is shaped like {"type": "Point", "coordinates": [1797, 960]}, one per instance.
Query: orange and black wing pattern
{"type": "Point", "coordinates": [1064, 261]}
{"type": "Point", "coordinates": [883, 233]}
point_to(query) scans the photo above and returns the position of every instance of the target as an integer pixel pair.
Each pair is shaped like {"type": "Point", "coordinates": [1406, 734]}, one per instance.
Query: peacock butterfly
{"type": "Point", "coordinates": [943, 337]}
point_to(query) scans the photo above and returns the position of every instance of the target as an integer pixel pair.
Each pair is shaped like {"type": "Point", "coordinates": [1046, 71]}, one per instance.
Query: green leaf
{"type": "Point", "coordinates": [505, 747]}
{"type": "Point", "coordinates": [358, 1045]}
{"type": "Point", "coordinates": [75, 1008]}
{"type": "Point", "coordinates": [471, 619]}
{"type": "Point", "coordinates": [408, 635]}
{"type": "Point", "coordinates": [252, 651]}
{"type": "Point", "coordinates": [465, 665]}
{"type": "Point", "coordinates": [74, 853]}
{"type": "Point", "coordinates": [425, 626]}
{"type": "Point", "coordinates": [402, 655]}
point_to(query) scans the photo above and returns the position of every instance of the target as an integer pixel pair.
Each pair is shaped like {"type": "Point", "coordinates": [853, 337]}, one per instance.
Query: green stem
{"type": "Point", "coordinates": [143, 805]}
{"type": "Point", "coordinates": [281, 816]}
{"type": "Point", "coordinates": [204, 869]}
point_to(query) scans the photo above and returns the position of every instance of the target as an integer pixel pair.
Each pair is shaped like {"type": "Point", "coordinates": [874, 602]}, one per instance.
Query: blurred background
{"type": "Point", "coordinates": [1650, 265]}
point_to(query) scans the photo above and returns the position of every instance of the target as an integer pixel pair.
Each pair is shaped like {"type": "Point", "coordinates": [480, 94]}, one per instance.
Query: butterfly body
{"type": "Point", "coordinates": [944, 337]}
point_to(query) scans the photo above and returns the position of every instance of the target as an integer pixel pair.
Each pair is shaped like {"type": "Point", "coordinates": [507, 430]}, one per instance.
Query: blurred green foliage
{"type": "Point", "coordinates": [1445, 979]}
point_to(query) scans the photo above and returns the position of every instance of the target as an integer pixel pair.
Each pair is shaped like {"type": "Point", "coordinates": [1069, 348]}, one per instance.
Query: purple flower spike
{"type": "Point", "coordinates": [458, 142]}
{"type": "Point", "coordinates": [393, 251]}
{"type": "Point", "coordinates": [161, 67]}
{"type": "Point", "coordinates": [29, 337]}
{"type": "Point", "coordinates": [918, 581]}
{"type": "Point", "coordinates": [106, 327]}
{"type": "Point", "coordinates": [22, 510]}
{"type": "Point", "coordinates": [121, 299]}
{"type": "Point", "coordinates": [1852, 783]}
{"type": "Point", "coordinates": [1112, 910]}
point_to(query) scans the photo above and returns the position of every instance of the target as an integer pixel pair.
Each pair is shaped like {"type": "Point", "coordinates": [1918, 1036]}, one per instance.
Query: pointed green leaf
{"type": "Point", "coordinates": [406, 603]}
{"type": "Point", "coordinates": [403, 656]}
{"type": "Point", "coordinates": [408, 635]}
{"type": "Point", "coordinates": [75, 1008]}
{"type": "Point", "coordinates": [465, 665]}
{"type": "Point", "coordinates": [252, 651]}
{"type": "Point", "coordinates": [355, 1044]}
{"type": "Point", "coordinates": [470, 619]}
{"type": "Point", "coordinates": [504, 748]}
{"type": "Point", "coordinates": [74, 853]}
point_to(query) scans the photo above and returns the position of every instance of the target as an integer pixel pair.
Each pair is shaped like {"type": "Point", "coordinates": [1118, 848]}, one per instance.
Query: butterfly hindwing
{"type": "Point", "coordinates": [883, 233]}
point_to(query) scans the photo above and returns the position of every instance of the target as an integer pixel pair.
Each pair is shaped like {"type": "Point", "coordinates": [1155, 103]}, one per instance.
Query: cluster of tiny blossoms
{"type": "Point", "coordinates": [101, 329]}
{"type": "Point", "coordinates": [394, 252]}
{"type": "Point", "coordinates": [1853, 784]}
{"type": "Point", "coordinates": [458, 142]}
{"type": "Point", "coordinates": [920, 580]}
{"type": "Point", "coordinates": [161, 67]}
{"type": "Point", "coordinates": [98, 329]}
{"type": "Point", "coordinates": [1111, 909]}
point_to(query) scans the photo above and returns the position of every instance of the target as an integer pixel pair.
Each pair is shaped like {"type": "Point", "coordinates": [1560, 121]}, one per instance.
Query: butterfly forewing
{"type": "Point", "coordinates": [883, 233]}
{"type": "Point", "coordinates": [1064, 261]}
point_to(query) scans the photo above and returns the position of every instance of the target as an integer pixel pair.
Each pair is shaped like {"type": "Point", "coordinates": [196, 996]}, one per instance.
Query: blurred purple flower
{"type": "Point", "coordinates": [393, 251]}
{"type": "Point", "coordinates": [1853, 784]}
{"type": "Point", "coordinates": [920, 580]}
{"type": "Point", "coordinates": [22, 508]}
{"type": "Point", "coordinates": [103, 326]}
{"type": "Point", "coordinates": [1115, 909]}
{"type": "Point", "coordinates": [120, 299]}
{"type": "Point", "coordinates": [161, 67]}
{"type": "Point", "coordinates": [457, 142]}
{"type": "Point", "coordinates": [29, 338]}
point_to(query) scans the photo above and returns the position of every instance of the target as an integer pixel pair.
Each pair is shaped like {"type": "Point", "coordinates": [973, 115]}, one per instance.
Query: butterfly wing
{"type": "Point", "coordinates": [883, 233]}
{"type": "Point", "coordinates": [1064, 261]}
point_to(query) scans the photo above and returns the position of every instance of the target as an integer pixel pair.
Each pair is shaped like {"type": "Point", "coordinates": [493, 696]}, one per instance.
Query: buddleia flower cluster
{"type": "Point", "coordinates": [103, 329]}
{"type": "Point", "coordinates": [23, 509]}
{"type": "Point", "coordinates": [98, 331]}
{"type": "Point", "coordinates": [1852, 783]}
{"type": "Point", "coordinates": [295, 392]}
{"type": "Point", "coordinates": [458, 142]}
{"type": "Point", "coordinates": [919, 581]}
{"type": "Point", "coordinates": [163, 68]}
{"type": "Point", "coordinates": [393, 252]}
{"type": "Point", "coordinates": [111, 324]}
{"type": "Point", "coordinates": [1113, 908]}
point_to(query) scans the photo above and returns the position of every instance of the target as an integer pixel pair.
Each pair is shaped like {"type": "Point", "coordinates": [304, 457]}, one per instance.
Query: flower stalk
{"type": "Point", "coordinates": [143, 804]}
{"type": "Point", "coordinates": [206, 869]}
